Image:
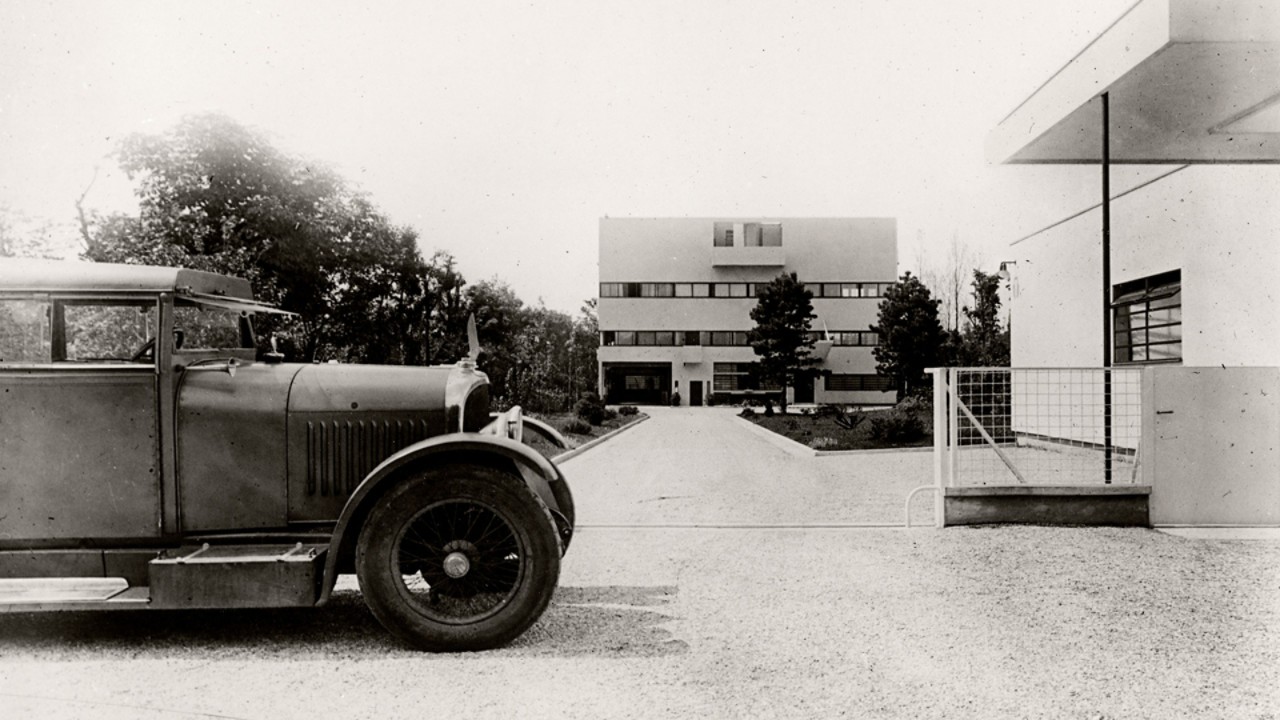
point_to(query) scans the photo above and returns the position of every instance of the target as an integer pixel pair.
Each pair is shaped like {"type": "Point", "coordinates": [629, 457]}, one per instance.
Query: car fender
{"type": "Point", "coordinates": [537, 472]}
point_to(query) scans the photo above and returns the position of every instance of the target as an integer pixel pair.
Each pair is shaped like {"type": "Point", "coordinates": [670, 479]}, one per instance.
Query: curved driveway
{"type": "Point", "coordinates": [705, 466]}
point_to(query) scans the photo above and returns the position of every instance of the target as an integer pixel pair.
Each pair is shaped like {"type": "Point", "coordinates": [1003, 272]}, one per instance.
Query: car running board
{"type": "Point", "coordinates": [45, 594]}
{"type": "Point", "coordinates": [226, 576]}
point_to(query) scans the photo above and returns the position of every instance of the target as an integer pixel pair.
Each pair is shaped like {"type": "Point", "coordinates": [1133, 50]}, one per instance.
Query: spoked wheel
{"type": "Point", "coordinates": [461, 558]}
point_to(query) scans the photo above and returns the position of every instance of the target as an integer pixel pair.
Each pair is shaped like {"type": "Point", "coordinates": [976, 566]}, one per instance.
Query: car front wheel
{"type": "Point", "coordinates": [458, 558]}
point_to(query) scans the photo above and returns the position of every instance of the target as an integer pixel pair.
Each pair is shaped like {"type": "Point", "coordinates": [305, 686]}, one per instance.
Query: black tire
{"type": "Point", "coordinates": [460, 558]}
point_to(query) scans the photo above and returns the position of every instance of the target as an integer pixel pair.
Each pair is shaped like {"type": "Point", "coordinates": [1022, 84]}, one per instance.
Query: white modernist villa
{"type": "Point", "coordinates": [676, 296]}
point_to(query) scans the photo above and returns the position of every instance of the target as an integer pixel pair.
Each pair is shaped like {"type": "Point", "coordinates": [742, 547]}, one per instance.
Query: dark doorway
{"type": "Point", "coordinates": [804, 390]}
{"type": "Point", "coordinates": [637, 383]}
{"type": "Point", "coordinates": [695, 393]}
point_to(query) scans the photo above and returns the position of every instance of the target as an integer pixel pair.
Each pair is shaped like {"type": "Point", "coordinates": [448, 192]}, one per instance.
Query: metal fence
{"type": "Point", "coordinates": [1037, 426]}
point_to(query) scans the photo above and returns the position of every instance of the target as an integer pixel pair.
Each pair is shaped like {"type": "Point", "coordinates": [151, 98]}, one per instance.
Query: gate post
{"type": "Point", "coordinates": [941, 459]}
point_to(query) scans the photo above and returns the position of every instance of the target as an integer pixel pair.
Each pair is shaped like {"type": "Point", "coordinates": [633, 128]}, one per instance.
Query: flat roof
{"type": "Point", "coordinates": [1189, 81]}
{"type": "Point", "coordinates": [20, 274]}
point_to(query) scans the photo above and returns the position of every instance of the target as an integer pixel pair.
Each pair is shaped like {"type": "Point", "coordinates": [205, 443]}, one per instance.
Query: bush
{"type": "Point", "coordinates": [823, 443]}
{"type": "Point", "coordinates": [712, 399]}
{"type": "Point", "coordinates": [675, 399]}
{"type": "Point", "coordinates": [747, 412]}
{"type": "Point", "coordinates": [590, 408]}
{"type": "Point", "coordinates": [897, 427]}
{"type": "Point", "coordinates": [916, 405]}
{"type": "Point", "coordinates": [828, 411]}
{"type": "Point", "coordinates": [610, 415]}
{"type": "Point", "coordinates": [628, 410]}
{"type": "Point", "coordinates": [577, 427]}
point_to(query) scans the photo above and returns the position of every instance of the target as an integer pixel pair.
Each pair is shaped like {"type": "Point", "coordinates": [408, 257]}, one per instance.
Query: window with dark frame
{"type": "Point", "coordinates": [830, 290]}
{"type": "Point", "coordinates": [1147, 319]}
{"type": "Point", "coordinates": [857, 382]}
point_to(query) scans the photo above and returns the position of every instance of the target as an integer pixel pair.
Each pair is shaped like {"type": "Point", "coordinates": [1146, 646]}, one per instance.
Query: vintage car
{"type": "Point", "coordinates": [150, 458]}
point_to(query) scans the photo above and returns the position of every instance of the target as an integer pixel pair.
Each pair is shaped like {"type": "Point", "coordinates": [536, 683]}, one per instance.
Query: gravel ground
{"type": "Point", "coordinates": [964, 623]}
{"type": "Point", "coordinates": [701, 615]}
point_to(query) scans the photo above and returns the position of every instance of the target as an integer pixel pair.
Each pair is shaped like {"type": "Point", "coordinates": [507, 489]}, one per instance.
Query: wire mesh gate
{"type": "Point", "coordinates": [1035, 426]}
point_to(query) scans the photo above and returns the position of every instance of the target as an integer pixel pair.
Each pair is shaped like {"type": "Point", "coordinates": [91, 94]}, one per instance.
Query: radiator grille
{"type": "Point", "coordinates": [340, 453]}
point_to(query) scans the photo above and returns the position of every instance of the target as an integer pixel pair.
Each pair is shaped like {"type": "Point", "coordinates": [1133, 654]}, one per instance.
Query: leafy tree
{"type": "Point", "coordinates": [583, 370]}
{"type": "Point", "coordinates": [215, 195]}
{"type": "Point", "coordinates": [781, 336]}
{"type": "Point", "coordinates": [911, 335]}
{"type": "Point", "coordinates": [536, 380]}
{"type": "Point", "coordinates": [446, 310]}
{"type": "Point", "coordinates": [985, 342]}
{"type": "Point", "coordinates": [501, 320]}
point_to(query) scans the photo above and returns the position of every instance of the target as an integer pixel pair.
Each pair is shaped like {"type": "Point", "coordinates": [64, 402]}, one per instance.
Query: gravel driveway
{"type": "Point", "coordinates": [672, 610]}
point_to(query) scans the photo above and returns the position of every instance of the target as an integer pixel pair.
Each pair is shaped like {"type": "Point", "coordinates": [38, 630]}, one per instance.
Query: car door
{"type": "Point", "coordinates": [79, 441]}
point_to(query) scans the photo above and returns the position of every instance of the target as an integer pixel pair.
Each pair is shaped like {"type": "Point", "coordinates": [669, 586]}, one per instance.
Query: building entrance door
{"type": "Point", "coordinates": [638, 383]}
{"type": "Point", "coordinates": [695, 393]}
{"type": "Point", "coordinates": [804, 390]}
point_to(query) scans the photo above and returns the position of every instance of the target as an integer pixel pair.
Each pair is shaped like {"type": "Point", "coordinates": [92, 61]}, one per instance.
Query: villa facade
{"type": "Point", "coordinates": [676, 296]}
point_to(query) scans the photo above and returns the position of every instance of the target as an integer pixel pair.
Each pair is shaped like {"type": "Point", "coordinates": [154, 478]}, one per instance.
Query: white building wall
{"type": "Point", "coordinates": [1220, 225]}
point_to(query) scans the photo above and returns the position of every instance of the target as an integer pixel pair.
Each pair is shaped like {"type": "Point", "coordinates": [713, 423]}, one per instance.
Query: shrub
{"type": "Point", "coordinates": [628, 410]}
{"type": "Point", "coordinates": [610, 415]}
{"type": "Point", "coordinates": [712, 399]}
{"type": "Point", "coordinates": [577, 427]}
{"type": "Point", "coordinates": [747, 412]}
{"type": "Point", "coordinates": [675, 399]}
{"type": "Point", "coordinates": [897, 427]}
{"type": "Point", "coordinates": [590, 408]}
{"type": "Point", "coordinates": [916, 405]}
{"type": "Point", "coordinates": [823, 443]}
{"type": "Point", "coordinates": [847, 418]}
{"type": "Point", "coordinates": [827, 411]}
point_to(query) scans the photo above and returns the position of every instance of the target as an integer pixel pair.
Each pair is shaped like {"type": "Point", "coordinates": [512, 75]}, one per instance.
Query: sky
{"type": "Point", "coordinates": [503, 131]}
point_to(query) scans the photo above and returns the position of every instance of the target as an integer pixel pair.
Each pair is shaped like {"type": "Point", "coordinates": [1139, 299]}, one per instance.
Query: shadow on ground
{"type": "Point", "coordinates": [612, 621]}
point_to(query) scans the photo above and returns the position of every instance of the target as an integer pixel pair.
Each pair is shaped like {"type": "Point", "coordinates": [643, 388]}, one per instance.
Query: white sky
{"type": "Point", "coordinates": [503, 131]}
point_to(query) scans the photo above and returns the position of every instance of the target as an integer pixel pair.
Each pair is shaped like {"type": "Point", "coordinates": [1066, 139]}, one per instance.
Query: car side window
{"type": "Point", "coordinates": [25, 336]}
{"type": "Point", "coordinates": [107, 331]}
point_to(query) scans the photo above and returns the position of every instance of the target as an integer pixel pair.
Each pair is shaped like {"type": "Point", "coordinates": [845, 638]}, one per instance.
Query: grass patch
{"type": "Point", "coordinates": [567, 422]}
{"type": "Point", "coordinates": [824, 433]}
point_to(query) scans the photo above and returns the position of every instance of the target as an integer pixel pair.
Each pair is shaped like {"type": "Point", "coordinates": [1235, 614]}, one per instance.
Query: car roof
{"type": "Point", "coordinates": [24, 275]}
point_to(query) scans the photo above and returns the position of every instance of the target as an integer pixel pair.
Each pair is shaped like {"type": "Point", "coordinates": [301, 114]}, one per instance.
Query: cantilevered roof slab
{"type": "Point", "coordinates": [1189, 81]}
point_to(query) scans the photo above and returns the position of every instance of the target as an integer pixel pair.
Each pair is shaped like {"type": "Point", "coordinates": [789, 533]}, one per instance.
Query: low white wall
{"type": "Point", "coordinates": [1211, 450]}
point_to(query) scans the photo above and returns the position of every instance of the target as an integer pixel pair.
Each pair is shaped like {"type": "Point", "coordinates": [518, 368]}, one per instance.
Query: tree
{"type": "Point", "coordinates": [501, 319]}
{"type": "Point", "coordinates": [781, 336]}
{"type": "Point", "coordinates": [945, 274]}
{"type": "Point", "coordinates": [911, 335]}
{"type": "Point", "coordinates": [985, 342]}
{"type": "Point", "coordinates": [215, 195]}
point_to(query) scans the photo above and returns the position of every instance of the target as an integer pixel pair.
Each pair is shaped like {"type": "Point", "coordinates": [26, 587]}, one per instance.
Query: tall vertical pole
{"type": "Point", "coordinates": [1106, 282]}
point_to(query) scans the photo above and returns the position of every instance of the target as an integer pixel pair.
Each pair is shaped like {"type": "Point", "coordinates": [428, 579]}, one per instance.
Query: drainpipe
{"type": "Point", "coordinates": [1106, 283]}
